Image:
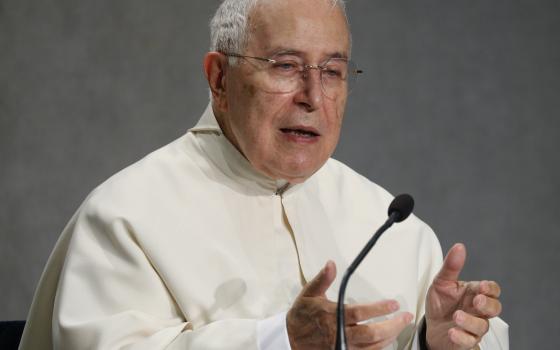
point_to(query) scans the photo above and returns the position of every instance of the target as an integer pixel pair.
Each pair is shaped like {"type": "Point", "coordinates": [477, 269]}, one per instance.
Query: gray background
{"type": "Point", "coordinates": [459, 106]}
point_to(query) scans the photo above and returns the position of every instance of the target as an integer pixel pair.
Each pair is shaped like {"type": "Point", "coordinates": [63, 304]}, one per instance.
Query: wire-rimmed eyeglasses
{"type": "Point", "coordinates": [285, 75]}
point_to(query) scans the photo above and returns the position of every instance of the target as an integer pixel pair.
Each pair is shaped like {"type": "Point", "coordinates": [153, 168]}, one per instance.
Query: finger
{"type": "Point", "coordinates": [376, 346]}
{"type": "Point", "coordinates": [453, 263]}
{"type": "Point", "coordinates": [375, 332]}
{"type": "Point", "coordinates": [471, 324]}
{"type": "Point", "coordinates": [490, 288]}
{"type": "Point", "coordinates": [321, 282]}
{"type": "Point", "coordinates": [362, 312]}
{"type": "Point", "coordinates": [461, 338]}
{"type": "Point", "coordinates": [487, 306]}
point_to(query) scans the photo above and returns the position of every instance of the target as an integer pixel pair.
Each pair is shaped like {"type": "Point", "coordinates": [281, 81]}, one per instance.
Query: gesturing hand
{"type": "Point", "coordinates": [457, 312]}
{"type": "Point", "coordinates": [311, 321]}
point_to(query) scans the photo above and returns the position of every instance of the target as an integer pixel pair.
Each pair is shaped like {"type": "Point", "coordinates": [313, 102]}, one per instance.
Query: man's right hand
{"type": "Point", "coordinates": [311, 322]}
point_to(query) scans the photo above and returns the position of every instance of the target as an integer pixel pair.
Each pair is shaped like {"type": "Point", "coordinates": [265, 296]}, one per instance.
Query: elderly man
{"type": "Point", "coordinates": [229, 237]}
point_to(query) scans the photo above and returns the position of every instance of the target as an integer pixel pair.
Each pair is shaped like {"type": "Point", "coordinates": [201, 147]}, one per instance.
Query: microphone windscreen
{"type": "Point", "coordinates": [402, 205]}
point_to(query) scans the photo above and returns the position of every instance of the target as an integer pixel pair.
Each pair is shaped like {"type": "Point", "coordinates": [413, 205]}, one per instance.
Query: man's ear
{"type": "Point", "coordinates": [215, 65]}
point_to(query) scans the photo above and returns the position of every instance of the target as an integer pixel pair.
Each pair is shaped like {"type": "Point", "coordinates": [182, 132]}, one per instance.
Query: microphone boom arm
{"type": "Point", "coordinates": [340, 317]}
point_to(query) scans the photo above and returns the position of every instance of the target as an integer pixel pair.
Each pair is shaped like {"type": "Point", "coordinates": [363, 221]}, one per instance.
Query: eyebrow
{"type": "Point", "coordinates": [291, 52]}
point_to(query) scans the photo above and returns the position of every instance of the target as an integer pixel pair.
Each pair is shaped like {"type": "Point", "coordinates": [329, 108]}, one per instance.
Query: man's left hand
{"type": "Point", "coordinates": [457, 312]}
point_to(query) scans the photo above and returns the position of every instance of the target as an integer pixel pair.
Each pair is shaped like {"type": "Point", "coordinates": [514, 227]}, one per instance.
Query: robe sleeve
{"type": "Point", "coordinates": [110, 296]}
{"type": "Point", "coordinates": [272, 333]}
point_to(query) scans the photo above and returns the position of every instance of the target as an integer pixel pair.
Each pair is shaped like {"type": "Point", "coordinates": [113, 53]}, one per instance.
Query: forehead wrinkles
{"type": "Point", "coordinates": [301, 25]}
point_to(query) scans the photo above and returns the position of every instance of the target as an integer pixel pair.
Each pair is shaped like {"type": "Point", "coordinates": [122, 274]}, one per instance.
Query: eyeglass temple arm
{"type": "Point", "coordinates": [245, 56]}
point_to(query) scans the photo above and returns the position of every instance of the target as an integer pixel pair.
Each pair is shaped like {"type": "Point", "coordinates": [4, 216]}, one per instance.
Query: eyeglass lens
{"type": "Point", "coordinates": [337, 76]}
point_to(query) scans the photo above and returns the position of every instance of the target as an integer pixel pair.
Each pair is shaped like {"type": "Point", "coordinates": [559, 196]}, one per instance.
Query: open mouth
{"type": "Point", "coordinates": [300, 132]}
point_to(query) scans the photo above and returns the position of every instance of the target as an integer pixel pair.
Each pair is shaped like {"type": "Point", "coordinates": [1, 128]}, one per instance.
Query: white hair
{"type": "Point", "coordinates": [229, 26]}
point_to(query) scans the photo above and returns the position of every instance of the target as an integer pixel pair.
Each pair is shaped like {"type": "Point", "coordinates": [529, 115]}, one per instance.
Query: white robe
{"type": "Point", "coordinates": [190, 248]}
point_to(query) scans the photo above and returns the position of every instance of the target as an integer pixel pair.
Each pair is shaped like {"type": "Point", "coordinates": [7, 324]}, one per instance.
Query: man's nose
{"type": "Point", "coordinates": [310, 91]}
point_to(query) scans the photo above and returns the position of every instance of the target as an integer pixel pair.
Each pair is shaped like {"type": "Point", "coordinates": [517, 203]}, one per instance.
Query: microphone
{"type": "Point", "coordinates": [399, 209]}
{"type": "Point", "coordinates": [401, 206]}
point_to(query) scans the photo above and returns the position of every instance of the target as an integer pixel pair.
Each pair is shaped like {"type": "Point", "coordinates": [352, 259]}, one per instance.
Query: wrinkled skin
{"type": "Point", "coordinates": [253, 118]}
{"type": "Point", "coordinates": [457, 312]}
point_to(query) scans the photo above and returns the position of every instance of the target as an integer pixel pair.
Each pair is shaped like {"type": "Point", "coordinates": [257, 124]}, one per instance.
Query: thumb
{"type": "Point", "coordinates": [453, 263]}
{"type": "Point", "coordinates": [321, 282]}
